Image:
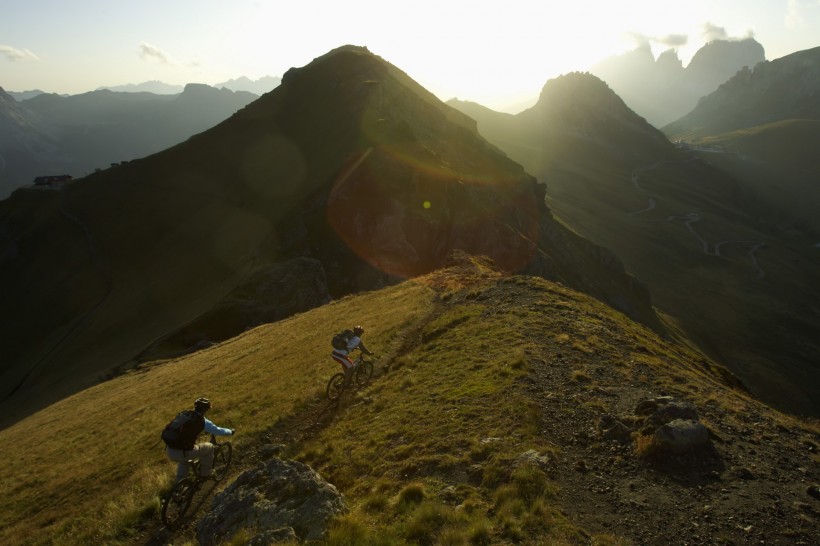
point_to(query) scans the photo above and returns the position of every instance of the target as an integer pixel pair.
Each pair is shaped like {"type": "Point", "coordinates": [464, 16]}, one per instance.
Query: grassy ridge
{"type": "Point", "coordinates": [432, 452]}
{"type": "Point", "coordinates": [86, 473]}
{"type": "Point", "coordinates": [406, 454]}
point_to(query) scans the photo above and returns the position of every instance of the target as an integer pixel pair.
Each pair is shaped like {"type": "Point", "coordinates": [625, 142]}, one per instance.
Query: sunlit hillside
{"type": "Point", "coordinates": [477, 368]}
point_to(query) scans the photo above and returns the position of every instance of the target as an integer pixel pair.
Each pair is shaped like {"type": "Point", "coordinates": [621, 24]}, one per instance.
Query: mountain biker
{"type": "Point", "coordinates": [342, 356]}
{"type": "Point", "coordinates": [203, 451]}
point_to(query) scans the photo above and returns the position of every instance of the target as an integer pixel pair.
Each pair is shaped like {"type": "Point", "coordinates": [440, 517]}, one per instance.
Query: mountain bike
{"type": "Point", "coordinates": [361, 374]}
{"type": "Point", "coordinates": [176, 503]}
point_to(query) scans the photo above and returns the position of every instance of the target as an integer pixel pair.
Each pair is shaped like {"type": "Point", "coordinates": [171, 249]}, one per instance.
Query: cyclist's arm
{"type": "Point", "coordinates": [211, 428]}
{"type": "Point", "coordinates": [363, 348]}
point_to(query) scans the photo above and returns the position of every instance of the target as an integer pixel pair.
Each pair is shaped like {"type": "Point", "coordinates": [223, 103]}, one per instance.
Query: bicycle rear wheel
{"type": "Point", "coordinates": [222, 461]}
{"type": "Point", "coordinates": [335, 387]}
{"type": "Point", "coordinates": [363, 373]}
{"type": "Point", "coordinates": [177, 502]}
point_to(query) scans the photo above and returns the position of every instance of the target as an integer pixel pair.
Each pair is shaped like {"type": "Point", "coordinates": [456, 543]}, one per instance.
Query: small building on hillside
{"type": "Point", "coordinates": [52, 182]}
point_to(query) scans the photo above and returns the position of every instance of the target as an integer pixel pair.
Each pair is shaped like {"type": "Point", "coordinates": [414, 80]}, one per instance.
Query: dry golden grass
{"type": "Point", "coordinates": [85, 470]}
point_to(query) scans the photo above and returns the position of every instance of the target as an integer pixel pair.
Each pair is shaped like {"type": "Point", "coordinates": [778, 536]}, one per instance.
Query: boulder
{"type": "Point", "coordinates": [667, 413]}
{"type": "Point", "coordinates": [268, 500]}
{"type": "Point", "coordinates": [680, 435]}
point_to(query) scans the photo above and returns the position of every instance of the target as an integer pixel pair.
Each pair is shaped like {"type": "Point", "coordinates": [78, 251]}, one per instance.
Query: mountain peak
{"type": "Point", "coordinates": [582, 102]}
{"type": "Point", "coordinates": [668, 61]}
{"type": "Point", "coordinates": [583, 88]}
{"type": "Point", "coordinates": [719, 57]}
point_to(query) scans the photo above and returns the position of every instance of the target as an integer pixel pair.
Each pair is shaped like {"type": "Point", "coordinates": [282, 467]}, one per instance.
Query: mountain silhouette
{"type": "Point", "coordinates": [93, 130]}
{"type": "Point", "coordinates": [724, 263]}
{"type": "Point", "coordinates": [25, 140]}
{"type": "Point", "coordinates": [772, 91]}
{"type": "Point", "coordinates": [258, 87]}
{"type": "Point", "coordinates": [662, 90]}
{"type": "Point", "coordinates": [154, 86]}
{"type": "Point", "coordinates": [20, 96]}
{"type": "Point", "coordinates": [348, 175]}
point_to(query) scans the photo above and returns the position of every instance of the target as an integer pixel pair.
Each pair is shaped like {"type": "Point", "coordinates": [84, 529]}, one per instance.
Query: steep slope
{"type": "Point", "coordinates": [483, 424]}
{"type": "Point", "coordinates": [662, 90]}
{"type": "Point", "coordinates": [729, 268]}
{"type": "Point", "coordinates": [349, 173]}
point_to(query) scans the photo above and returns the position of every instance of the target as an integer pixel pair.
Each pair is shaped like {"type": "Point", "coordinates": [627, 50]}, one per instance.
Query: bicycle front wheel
{"type": "Point", "coordinates": [335, 387]}
{"type": "Point", "coordinates": [363, 373]}
{"type": "Point", "coordinates": [177, 502]}
{"type": "Point", "coordinates": [222, 461]}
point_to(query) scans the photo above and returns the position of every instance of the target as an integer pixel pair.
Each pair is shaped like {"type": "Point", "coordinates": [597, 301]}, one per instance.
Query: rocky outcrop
{"type": "Point", "coordinates": [275, 501]}
{"type": "Point", "coordinates": [680, 436]}
{"type": "Point", "coordinates": [667, 426]}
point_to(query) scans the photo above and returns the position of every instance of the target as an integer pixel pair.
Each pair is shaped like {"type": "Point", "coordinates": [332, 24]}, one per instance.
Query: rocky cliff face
{"type": "Point", "coordinates": [783, 89]}
{"type": "Point", "coordinates": [663, 90]}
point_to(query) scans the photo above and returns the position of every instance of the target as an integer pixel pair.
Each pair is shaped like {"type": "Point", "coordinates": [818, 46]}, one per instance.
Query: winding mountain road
{"type": "Point", "coordinates": [690, 218]}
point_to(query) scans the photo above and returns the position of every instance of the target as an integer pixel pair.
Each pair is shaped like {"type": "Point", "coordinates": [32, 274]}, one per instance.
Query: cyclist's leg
{"type": "Point", "coordinates": [346, 363]}
{"type": "Point", "coordinates": [205, 454]}
{"type": "Point", "coordinates": [181, 458]}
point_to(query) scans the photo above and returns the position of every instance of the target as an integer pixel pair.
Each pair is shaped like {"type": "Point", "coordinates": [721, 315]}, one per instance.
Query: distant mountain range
{"type": "Point", "coordinates": [662, 90]}
{"type": "Point", "coordinates": [725, 242]}
{"type": "Point", "coordinates": [243, 83]}
{"type": "Point", "coordinates": [52, 134]}
{"type": "Point", "coordinates": [20, 96]}
{"type": "Point", "coordinates": [26, 140]}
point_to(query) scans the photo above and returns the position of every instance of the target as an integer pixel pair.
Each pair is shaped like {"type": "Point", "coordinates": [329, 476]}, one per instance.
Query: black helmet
{"type": "Point", "coordinates": [202, 404]}
{"type": "Point", "coordinates": [358, 330]}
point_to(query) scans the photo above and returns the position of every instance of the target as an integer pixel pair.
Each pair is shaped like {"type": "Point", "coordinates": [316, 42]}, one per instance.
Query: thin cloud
{"type": "Point", "coordinates": [673, 40]}
{"type": "Point", "coordinates": [670, 40]}
{"type": "Point", "coordinates": [641, 40]}
{"type": "Point", "coordinates": [153, 53]}
{"type": "Point", "coordinates": [796, 12]}
{"type": "Point", "coordinates": [14, 54]}
{"type": "Point", "coordinates": [713, 32]}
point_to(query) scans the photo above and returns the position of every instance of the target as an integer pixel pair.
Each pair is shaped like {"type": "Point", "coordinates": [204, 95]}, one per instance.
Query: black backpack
{"type": "Point", "coordinates": [340, 340]}
{"type": "Point", "coordinates": [182, 431]}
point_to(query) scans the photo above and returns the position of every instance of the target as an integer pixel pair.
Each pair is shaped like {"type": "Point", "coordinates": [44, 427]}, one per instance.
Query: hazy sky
{"type": "Point", "coordinates": [497, 53]}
